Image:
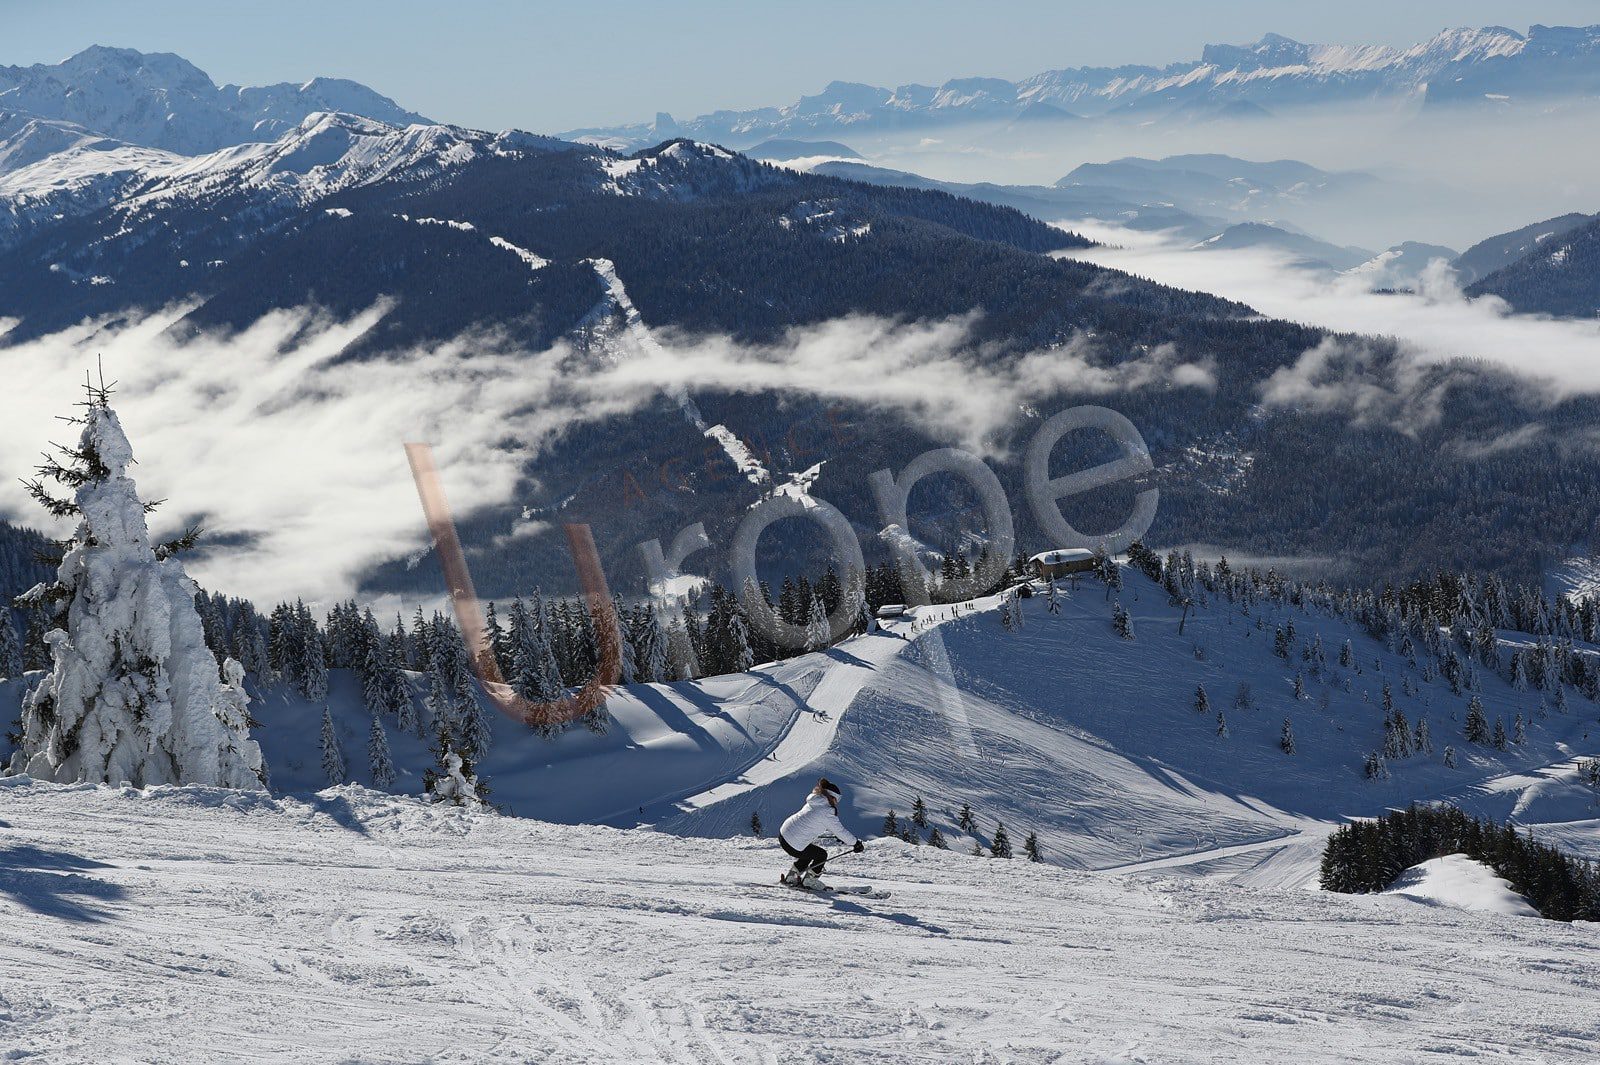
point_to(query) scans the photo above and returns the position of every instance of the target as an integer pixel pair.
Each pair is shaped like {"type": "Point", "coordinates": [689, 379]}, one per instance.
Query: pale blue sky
{"type": "Point", "coordinates": [549, 66]}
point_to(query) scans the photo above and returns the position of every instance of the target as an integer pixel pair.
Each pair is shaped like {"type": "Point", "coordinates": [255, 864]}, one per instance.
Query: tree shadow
{"type": "Point", "coordinates": [339, 809]}
{"type": "Point", "coordinates": [51, 883]}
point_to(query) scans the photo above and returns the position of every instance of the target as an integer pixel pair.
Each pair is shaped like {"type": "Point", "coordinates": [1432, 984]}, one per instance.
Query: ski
{"type": "Point", "coordinates": [863, 890]}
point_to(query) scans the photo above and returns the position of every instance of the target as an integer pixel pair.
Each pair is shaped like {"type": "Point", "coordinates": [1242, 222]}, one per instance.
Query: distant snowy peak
{"type": "Point", "coordinates": [1493, 65]}
{"type": "Point", "coordinates": [163, 101]}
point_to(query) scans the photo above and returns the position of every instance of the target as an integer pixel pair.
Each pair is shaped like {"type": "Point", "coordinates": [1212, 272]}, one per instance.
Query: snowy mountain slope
{"type": "Point", "coordinates": [1560, 275]}
{"type": "Point", "coordinates": [1494, 253]}
{"type": "Point", "coordinates": [163, 101]}
{"type": "Point", "coordinates": [1093, 741]}
{"type": "Point", "coordinates": [350, 926]}
{"type": "Point", "coordinates": [1492, 66]}
{"type": "Point", "coordinates": [1090, 740]}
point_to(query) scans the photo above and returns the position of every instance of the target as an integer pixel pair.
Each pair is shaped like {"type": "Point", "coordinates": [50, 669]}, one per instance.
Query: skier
{"type": "Point", "coordinates": [817, 819]}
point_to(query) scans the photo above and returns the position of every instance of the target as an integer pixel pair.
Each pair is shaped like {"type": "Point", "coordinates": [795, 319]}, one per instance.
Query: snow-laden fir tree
{"type": "Point", "coordinates": [816, 626]}
{"type": "Point", "coordinates": [966, 821]}
{"type": "Point", "coordinates": [755, 822]}
{"type": "Point", "coordinates": [919, 812]}
{"type": "Point", "coordinates": [1202, 704]}
{"type": "Point", "coordinates": [1449, 757]}
{"type": "Point", "coordinates": [1222, 725]}
{"type": "Point", "coordinates": [378, 757]}
{"type": "Point", "coordinates": [1423, 743]}
{"type": "Point", "coordinates": [10, 646]}
{"type": "Point", "coordinates": [936, 839]}
{"type": "Point", "coordinates": [1519, 732]}
{"type": "Point", "coordinates": [891, 826]}
{"type": "Point", "coordinates": [1121, 623]}
{"type": "Point", "coordinates": [334, 769]}
{"type": "Point", "coordinates": [1030, 847]}
{"type": "Point", "coordinates": [1000, 846]}
{"type": "Point", "coordinates": [452, 779]}
{"type": "Point", "coordinates": [1476, 728]}
{"type": "Point", "coordinates": [1499, 734]}
{"type": "Point", "coordinates": [133, 694]}
{"type": "Point", "coordinates": [1286, 737]}
{"type": "Point", "coordinates": [1375, 768]}
{"type": "Point", "coordinates": [1052, 598]}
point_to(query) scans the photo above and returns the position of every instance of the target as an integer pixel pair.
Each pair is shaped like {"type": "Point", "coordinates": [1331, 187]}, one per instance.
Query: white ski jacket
{"type": "Point", "coordinates": [816, 819]}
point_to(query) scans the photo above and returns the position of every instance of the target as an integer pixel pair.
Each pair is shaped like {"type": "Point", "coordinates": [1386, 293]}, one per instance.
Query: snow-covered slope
{"type": "Point", "coordinates": [163, 101]}
{"type": "Point", "coordinates": [1085, 738]}
{"type": "Point", "coordinates": [188, 925]}
{"type": "Point", "coordinates": [1456, 880]}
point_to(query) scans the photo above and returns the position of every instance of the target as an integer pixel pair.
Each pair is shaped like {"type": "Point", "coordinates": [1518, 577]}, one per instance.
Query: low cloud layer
{"type": "Point", "coordinates": [296, 457]}
{"type": "Point", "coordinates": [1433, 325]}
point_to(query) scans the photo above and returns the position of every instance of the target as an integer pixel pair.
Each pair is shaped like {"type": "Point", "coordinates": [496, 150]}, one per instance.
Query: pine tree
{"type": "Point", "coordinates": [817, 636]}
{"type": "Point", "coordinates": [452, 779]}
{"type": "Point", "coordinates": [1286, 737]}
{"type": "Point", "coordinates": [1499, 734]}
{"type": "Point", "coordinates": [966, 821]}
{"type": "Point", "coordinates": [1476, 729]}
{"type": "Point", "coordinates": [755, 822]}
{"type": "Point", "coordinates": [1030, 847]}
{"type": "Point", "coordinates": [1519, 732]}
{"type": "Point", "coordinates": [378, 754]}
{"type": "Point", "coordinates": [1449, 757]}
{"type": "Point", "coordinates": [334, 769]}
{"type": "Point", "coordinates": [919, 813]}
{"type": "Point", "coordinates": [1222, 725]}
{"type": "Point", "coordinates": [891, 826]}
{"type": "Point", "coordinates": [1424, 738]}
{"type": "Point", "coordinates": [1299, 686]}
{"type": "Point", "coordinates": [1000, 846]}
{"type": "Point", "coordinates": [1347, 655]}
{"type": "Point", "coordinates": [1202, 704]}
{"type": "Point", "coordinates": [1375, 769]}
{"type": "Point", "coordinates": [936, 839]}
{"type": "Point", "coordinates": [134, 693]}
{"type": "Point", "coordinates": [10, 646]}
{"type": "Point", "coordinates": [1121, 623]}
{"type": "Point", "coordinates": [1052, 598]}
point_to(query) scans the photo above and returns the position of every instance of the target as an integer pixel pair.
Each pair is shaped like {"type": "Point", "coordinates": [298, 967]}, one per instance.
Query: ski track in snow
{"type": "Point", "coordinates": [739, 454]}
{"type": "Point", "coordinates": [187, 925]}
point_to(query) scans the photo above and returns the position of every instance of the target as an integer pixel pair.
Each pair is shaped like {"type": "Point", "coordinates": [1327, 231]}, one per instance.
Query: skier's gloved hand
{"type": "Point", "coordinates": [859, 847]}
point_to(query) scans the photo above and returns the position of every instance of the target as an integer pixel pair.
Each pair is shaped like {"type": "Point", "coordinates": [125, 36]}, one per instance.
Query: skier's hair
{"type": "Point", "coordinates": [827, 787]}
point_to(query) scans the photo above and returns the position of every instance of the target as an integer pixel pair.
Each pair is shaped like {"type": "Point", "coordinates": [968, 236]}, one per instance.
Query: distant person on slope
{"type": "Point", "coordinates": [818, 819]}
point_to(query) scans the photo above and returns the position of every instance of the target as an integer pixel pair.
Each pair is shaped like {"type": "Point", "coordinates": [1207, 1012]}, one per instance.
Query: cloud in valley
{"type": "Point", "coordinates": [295, 457]}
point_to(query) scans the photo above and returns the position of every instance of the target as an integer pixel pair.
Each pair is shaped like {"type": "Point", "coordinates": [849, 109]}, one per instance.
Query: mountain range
{"type": "Point", "coordinates": [1489, 67]}
{"type": "Point", "coordinates": [537, 241]}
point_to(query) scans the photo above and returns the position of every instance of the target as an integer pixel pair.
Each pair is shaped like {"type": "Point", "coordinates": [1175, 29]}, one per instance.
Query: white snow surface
{"type": "Point", "coordinates": [195, 925]}
{"type": "Point", "coordinates": [1456, 880]}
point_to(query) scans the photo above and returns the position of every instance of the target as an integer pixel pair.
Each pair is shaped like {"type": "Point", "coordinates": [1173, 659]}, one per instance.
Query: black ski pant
{"type": "Point", "coordinates": [809, 860]}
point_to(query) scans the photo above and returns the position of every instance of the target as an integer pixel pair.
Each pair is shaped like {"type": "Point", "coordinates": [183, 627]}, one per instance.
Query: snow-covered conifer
{"type": "Point", "coordinates": [816, 626]}
{"type": "Point", "coordinates": [1423, 742]}
{"type": "Point", "coordinates": [1202, 704]}
{"type": "Point", "coordinates": [1449, 757]}
{"type": "Point", "coordinates": [134, 693]}
{"type": "Point", "coordinates": [1499, 734]}
{"type": "Point", "coordinates": [966, 821]}
{"type": "Point", "coordinates": [755, 822]}
{"type": "Point", "coordinates": [1030, 847]}
{"type": "Point", "coordinates": [1052, 598]}
{"type": "Point", "coordinates": [334, 769]}
{"type": "Point", "coordinates": [1121, 623]}
{"type": "Point", "coordinates": [378, 757]}
{"type": "Point", "coordinates": [936, 840]}
{"type": "Point", "coordinates": [1286, 737]}
{"type": "Point", "coordinates": [1476, 728]}
{"type": "Point", "coordinates": [1222, 725]}
{"type": "Point", "coordinates": [1000, 846]}
{"type": "Point", "coordinates": [452, 779]}
{"type": "Point", "coordinates": [1519, 731]}
{"type": "Point", "coordinates": [10, 646]}
{"type": "Point", "coordinates": [891, 825]}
